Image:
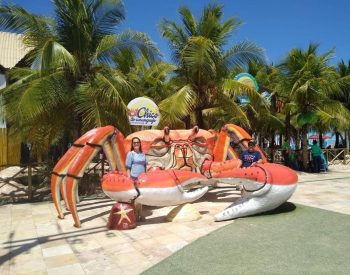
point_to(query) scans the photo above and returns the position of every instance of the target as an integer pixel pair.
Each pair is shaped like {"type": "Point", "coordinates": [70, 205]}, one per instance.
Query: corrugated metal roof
{"type": "Point", "coordinates": [12, 49]}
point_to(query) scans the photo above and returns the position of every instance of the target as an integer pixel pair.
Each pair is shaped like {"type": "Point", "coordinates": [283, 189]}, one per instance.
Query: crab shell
{"type": "Point", "coordinates": [150, 138]}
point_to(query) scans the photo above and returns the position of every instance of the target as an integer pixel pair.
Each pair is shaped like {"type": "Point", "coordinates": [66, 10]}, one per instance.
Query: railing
{"type": "Point", "coordinates": [337, 156]}
{"type": "Point", "coordinates": [334, 156]}
{"type": "Point", "coordinates": [21, 180]}
{"type": "Point", "coordinates": [12, 180]}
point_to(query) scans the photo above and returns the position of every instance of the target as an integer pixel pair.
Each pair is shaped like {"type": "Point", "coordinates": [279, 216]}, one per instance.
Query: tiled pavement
{"type": "Point", "coordinates": [34, 241]}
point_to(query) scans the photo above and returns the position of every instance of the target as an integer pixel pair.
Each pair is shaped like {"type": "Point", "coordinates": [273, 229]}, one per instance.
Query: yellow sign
{"type": "Point", "coordinates": [143, 111]}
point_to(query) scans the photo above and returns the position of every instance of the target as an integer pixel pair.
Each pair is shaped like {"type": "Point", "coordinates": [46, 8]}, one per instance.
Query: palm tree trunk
{"type": "Point", "coordinates": [272, 147]}
{"type": "Point", "coordinates": [346, 145]}
{"type": "Point", "coordinates": [187, 120]}
{"type": "Point", "coordinates": [199, 118]}
{"type": "Point", "coordinates": [337, 134]}
{"type": "Point", "coordinates": [287, 130]}
{"type": "Point", "coordinates": [78, 127]}
{"type": "Point", "coordinates": [297, 140]}
{"type": "Point", "coordinates": [320, 138]}
{"type": "Point", "coordinates": [304, 147]}
{"type": "Point", "coordinates": [281, 139]}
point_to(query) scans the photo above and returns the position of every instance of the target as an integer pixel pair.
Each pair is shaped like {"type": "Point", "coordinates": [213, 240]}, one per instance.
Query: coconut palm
{"type": "Point", "coordinates": [344, 71]}
{"type": "Point", "coordinates": [307, 83]}
{"type": "Point", "coordinates": [73, 81]}
{"type": "Point", "coordinates": [203, 64]}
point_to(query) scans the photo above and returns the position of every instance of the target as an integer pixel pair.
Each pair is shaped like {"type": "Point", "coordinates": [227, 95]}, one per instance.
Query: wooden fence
{"type": "Point", "coordinates": [13, 179]}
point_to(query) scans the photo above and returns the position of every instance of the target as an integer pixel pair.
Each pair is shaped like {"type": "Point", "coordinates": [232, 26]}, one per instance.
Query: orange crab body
{"type": "Point", "coordinates": [177, 159]}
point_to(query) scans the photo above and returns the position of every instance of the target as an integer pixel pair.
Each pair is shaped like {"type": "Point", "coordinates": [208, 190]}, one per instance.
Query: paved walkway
{"type": "Point", "coordinates": [34, 241]}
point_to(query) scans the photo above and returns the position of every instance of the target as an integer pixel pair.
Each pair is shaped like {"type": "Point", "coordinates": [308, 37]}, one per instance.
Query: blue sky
{"type": "Point", "coordinates": [275, 25]}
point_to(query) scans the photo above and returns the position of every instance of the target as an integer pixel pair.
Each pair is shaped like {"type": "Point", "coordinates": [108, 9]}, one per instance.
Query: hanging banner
{"type": "Point", "coordinates": [143, 111]}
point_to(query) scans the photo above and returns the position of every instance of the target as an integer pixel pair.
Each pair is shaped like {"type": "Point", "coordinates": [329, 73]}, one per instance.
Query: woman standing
{"type": "Point", "coordinates": [136, 162]}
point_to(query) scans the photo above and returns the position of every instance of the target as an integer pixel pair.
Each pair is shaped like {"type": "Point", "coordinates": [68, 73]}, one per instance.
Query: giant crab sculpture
{"type": "Point", "coordinates": [178, 159]}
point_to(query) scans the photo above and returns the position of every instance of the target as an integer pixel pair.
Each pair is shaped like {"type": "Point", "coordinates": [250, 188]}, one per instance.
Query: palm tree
{"type": "Point", "coordinates": [203, 64]}
{"type": "Point", "coordinates": [73, 81]}
{"type": "Point", "coordinates": [344, 71]}
{"type": "Point", "coordinates": [307, 83]}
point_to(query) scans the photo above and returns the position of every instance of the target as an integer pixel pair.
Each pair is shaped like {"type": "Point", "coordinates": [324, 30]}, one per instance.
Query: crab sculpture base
{"type": "Point", "coordinates": [122, 217]}
{"type": "Point", "coordinates": [183, 213]}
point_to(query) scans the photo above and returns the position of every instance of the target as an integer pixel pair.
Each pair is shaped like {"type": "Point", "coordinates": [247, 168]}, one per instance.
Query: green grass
{"type": "Point", "coordinates": [290, 240]}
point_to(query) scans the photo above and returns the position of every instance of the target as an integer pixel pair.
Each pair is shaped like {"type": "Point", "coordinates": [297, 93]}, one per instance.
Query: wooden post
{"type": "Point", "coordinates": [103, 165]}
{"type": "Point", "coordinates": [30, 182]}
{"type": "Point", "coordinates": [346, 145]}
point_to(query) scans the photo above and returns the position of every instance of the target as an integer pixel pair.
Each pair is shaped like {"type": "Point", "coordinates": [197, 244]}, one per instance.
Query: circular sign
{"type": "Point", "coordinates": [143, 111]}
{"type": "Point", "coordinates": [248, 80]}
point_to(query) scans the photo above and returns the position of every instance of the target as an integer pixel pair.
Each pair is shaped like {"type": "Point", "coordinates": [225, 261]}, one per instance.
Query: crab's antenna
{"type": "Point", "coordinates": [194, 132]}
{"type": "Point", "coordinates": [166, 134]}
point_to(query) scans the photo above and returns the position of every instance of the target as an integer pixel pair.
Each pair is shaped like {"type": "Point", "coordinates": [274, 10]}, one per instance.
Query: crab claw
{"type": "Point", "coordinates": [265, 187]}
{"type": "Point", "coordinates": [155, 188]}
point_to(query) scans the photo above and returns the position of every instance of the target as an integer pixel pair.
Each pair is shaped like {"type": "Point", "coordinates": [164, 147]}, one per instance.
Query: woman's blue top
{"type": "Point", "coordinates": [136, 163]}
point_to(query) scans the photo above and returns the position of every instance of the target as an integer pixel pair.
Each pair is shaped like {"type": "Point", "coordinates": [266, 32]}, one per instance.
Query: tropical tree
{"type": "Point", "coordinates": [344, 96]}
{"type": "Point", "coordinates": [264, 117]}
{"type": "Point", "coordinates": [307, 83]}
{"type": "Point", "coordinates": [203, 65]}
{"type": "Point", "coordinates": [73, 81]}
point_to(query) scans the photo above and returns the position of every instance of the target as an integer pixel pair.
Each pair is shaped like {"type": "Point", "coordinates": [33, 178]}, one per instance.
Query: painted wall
{"type": "Point", "coordinates": [2, 117]}
{"type": "Point", "coordinates": [10, 149]}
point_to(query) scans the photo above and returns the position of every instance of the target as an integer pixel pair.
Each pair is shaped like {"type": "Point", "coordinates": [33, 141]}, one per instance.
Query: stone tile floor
{"type": "Point", "coordinates": [34, 241]}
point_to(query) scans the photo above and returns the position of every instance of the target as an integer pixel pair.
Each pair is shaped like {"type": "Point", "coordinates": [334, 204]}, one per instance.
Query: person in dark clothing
{"type": "Point", "coordinates": [316, 156]}
{"type": "Point", "coordinates": [250, 157]}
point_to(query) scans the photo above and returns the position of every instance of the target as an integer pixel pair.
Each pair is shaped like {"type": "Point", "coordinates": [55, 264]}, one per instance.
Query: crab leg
{"type": "Point", "coordinates": [60, 171]}
{"type": "Point", "coordinates": [241, 137]}
{"type": "Point", "coordinates": [115, 152]}
{"type": "Point", "coordinates": [221, 147]}
{"type": "Point", "coordinates": [76, 169]}
{"type": "Point", "coordinates": [223, 150]}
{"type": "Point", "coordinates": [119, 152]}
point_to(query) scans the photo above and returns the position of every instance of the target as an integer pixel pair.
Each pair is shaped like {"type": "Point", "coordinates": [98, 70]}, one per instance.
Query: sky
{"type": "Point", "coordinates": [275, 25]}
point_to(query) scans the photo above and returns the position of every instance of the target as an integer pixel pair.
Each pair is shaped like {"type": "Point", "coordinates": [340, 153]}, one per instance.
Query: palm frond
{"type": "Point", "coordinates": [199, 56]}
{"type": "Point", "coordinates": [243, 53]}
{"type": "Point", "coordinates": [188, 20]}
{"type": "Point", "coordinates": [108, 14]}
{"type": "Point", "coordinates": [55, 56]}
{"type": "Point", "coordinates": [139, 42]}
{"type": "Point", "coordinates": [175, 107]}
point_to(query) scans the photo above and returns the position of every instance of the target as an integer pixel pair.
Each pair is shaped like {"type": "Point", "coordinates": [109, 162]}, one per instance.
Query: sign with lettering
{"type": "Point", "coordinates": [143, 111]}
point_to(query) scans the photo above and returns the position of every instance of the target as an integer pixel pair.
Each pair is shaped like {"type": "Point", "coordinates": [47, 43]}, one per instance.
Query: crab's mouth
{"type": "Point", "coordinates": [194, 184]}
